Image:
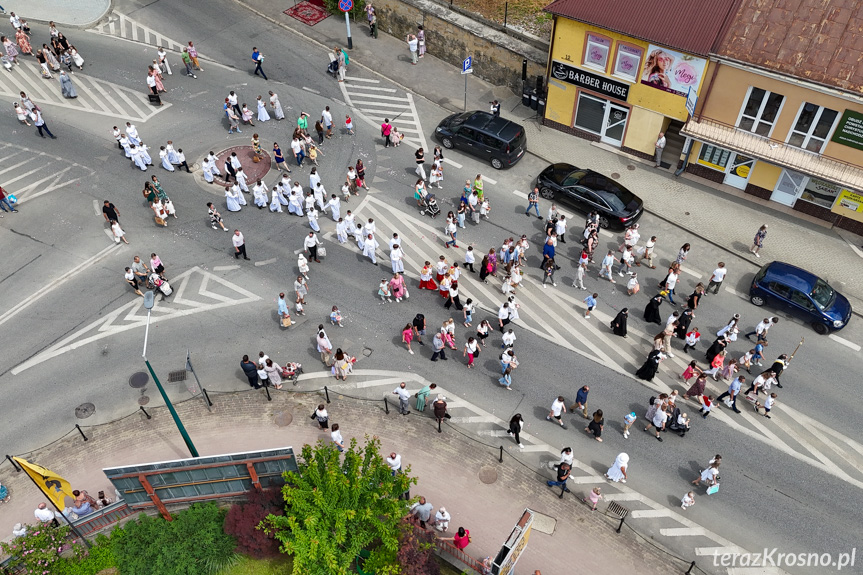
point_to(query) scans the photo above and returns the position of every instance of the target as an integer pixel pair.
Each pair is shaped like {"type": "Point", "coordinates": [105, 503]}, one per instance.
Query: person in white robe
{"type": "Point", "coordinates": [163, 156]}
{"type": "Point", "coordinates": [209, 168]}
{"type": "Point", "coordinates": [132, 134]}
{"type": "Point", "coordinates": [242, 181]}
{"type": "Point", "coordinates": [169, 207]}
{"type": "Point", "coordinates": [335, 205]}
{"type": "Point", "coordinates": [124, 142]}
{"type": "Point", "coordinates": [342, 231]}
{"type": "Point", "coordinates": [137, 159]}
{"type": "Point", "coordinates": [263, 116]}
{"type": "Point", "coordinates": [369, 246]}
{"type": "Point", "coordinates": [235, 161]}
{"type": "Point", "coordinates": [275, 204]}
{"type": "Point", "coordinates": [320, 195]}
{"type": "Point", "coordinates": [314, 178]}
{"type": "Point", "coordinates": [285, 184]}
{"type": "Point", "coordinates": [231, 200]}
{"type": "Point", "coordinates": [397, 259]}
{"type": "Point", "coordinates": [241, 199]}
{"type": "Point", "coordinates": [173, 156]}
{"type": "Point", "coordinates": [277, 106]}
{"type": "Point", "coordinates": [312, 214]}
{"type": "Point", "coordinates": [145, 154]}
{"type": "Point", "coordinates": [212, 158]}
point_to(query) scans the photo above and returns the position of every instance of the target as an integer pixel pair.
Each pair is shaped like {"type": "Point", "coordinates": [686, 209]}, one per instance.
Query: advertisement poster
{"type": "Point", "coordinates": [849, 132]}
{"type": "Point", "coordinates": [672, 71]}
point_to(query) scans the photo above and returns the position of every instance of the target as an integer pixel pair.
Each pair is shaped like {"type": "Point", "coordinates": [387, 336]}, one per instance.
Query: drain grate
{"type": "Point", "coordinates": [85, 410]}
{"type": "Point", "coordinates": [139, 379]}
{"type": "Point", "coordinates": [175, 376]}
{"type": "Point", "coordinates": [616, 509]}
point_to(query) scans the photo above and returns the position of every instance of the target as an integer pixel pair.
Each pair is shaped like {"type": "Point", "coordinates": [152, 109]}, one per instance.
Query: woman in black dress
{"type": "Point", "coordinates": [618, 324]}
{"type": "Point", "coordinates": [483, 269]}
{"type": "Point", "coordinates": [651, 312]}
{"type": "Point", "coordinates": [717, 346]}
{"type": "Point", "coordinates": [596, 424]}
{"type": "Point", "coordinates": [650, 367]}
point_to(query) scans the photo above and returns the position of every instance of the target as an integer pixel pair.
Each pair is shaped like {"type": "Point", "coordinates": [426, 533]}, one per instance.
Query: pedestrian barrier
{"type": "Point", "coordinates": [448, 548]}
{"type": "Point", "coordinates": [103, 518]}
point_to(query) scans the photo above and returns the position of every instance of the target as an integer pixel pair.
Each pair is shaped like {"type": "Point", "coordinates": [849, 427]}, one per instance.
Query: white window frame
{"type": "Point", "coordinates": [808, 136]}
{"type": "Point", "coordinates": [758, 119]}
{"type": "Point", "coordinates": [590, 97]}
{"type": "Point", "coordinates": [608, 48]}
{"type": "Point", "coordinates": [617, 53]}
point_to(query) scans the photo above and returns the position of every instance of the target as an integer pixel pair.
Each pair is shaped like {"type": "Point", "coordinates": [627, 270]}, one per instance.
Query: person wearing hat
{"type": "Point", "coordinates": [442, 519]}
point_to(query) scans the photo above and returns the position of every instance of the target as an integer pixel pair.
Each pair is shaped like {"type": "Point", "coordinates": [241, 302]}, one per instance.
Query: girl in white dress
{"type": "Point", "coordinates": [21, 113]}
{"type": "Point", "coordinates": [303, 265]}
{"type": "Point", "coordinates": [275, 205]}
{"type": "Point", "coordinates": [436, 175]}
{"type": "Point", "coordinates": [169, 207]}
{"type": "Point", "coordinates": [247, 114]}
{"type": "Point", "coordinates": [241, 180]}
{"type": "Point", "coordinates": [137, 158]}
{"type": "Point", "coordinates": [119, 234]}
{"type": "Point", "coordinates": [163, 156]}
{"type": "Point", "coordinates": [241, 199]}
{"type": "Point", "coordinates": [294, 205]}
{"type": "Point", "coordinates": [208, 166]}
{"type": "Point", "coordinates": [173, 156]}
{"type": "Point", "coordinates": [312, 214]}
{"type": "Point", "coordinates": [76, 57]}
{"type": "Point", "coordinates": [260, 191]}
{"type": "Point", "coordinates": [263, 116]}
{"type": "Point", "coordinates": [231, 200]}
{"type": "Point", "coordinates": [618, 470]}
{"type": "Point", "coordinates": [277, 106]}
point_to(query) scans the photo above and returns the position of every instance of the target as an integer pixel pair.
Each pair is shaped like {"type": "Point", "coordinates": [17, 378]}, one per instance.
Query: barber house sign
{"type": "Point", "coordinates": [589, 81]}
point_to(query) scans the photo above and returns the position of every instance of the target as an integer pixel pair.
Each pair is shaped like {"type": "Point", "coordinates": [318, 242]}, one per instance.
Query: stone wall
{"type": "Point", "coordinates": [450, 36]}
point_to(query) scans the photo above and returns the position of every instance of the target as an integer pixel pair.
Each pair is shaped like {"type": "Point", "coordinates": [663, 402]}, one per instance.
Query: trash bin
{"type": "Point", "coordinates": [525, 97]}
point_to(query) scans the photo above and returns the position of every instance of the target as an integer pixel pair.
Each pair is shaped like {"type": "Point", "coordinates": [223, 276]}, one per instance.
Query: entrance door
{"type": "Point", "coordinates": [614, 124]}
{"type": "Point", "coordinates": [739, 169]}
{"type": "Point", "coordinates": [788, 187]}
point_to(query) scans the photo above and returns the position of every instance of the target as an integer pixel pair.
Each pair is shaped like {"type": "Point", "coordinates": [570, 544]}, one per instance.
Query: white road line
{"type": "Point", "coordinates": [381, 117]}
{"type": "Point", "coordinates": [587, 480]}
{"type": "Point", "coordinates": [649, 513]}
{"type": "Point", "coordinates": [474, 419]}
{"type": "Point", "coordinates": [489, 180]}
{"type": "Point", "coordinates": [684, 531]}
{"type": "Point", "coordinates": [383, 98]}
{"type": "Point", "coordinates": [707, 551]}
{"type": "Point", "coordinates": [375, 88]}
{"type": "Point", "coordinates": [844, 342]}
{"type": "Point", "coordinates": [453, 164]}
{"type": "Point", "coordinates": [225, 268]}
{"type": "Point", "coordinates": [96, 207]}
{"type": "Point", "coordinates": [690, 272]}
{"type": "Point", "coordinates": [54, 284]}
{"type": "Point", "coordinates": [313, 91]}
{"type": "Point", "coordinates": [106, 98]}
{"type": "Point", "coordinates": [416, 115]}
{"type": "Point", "coordinates": [266, 262]}
{"type": "Point", "coordinates": [355, 79]}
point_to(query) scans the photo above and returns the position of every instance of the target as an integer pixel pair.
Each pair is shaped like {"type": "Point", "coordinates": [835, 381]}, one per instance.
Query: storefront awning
{"type": "Point", "coordinates": [778, 153]}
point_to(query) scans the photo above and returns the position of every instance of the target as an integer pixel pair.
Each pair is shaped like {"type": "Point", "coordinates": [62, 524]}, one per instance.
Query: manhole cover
{"type": "Point", "coordinates": [284, 418]}
{"type": "Point", "coordinates": [85, 410]}
{"type": "Point", "coordinates": [488, 475]}
{"type": "Point", "coordinates": [139, 379]}
{"type": "Point", "coordinates": [175, 376]}
{"type": "Point", "coordinates": [367, 352]}
{"type": "Point", "coordinates": [630, 167]}
{"type": "Point", "coordinates": [143, 400]}
{"type": "Point", "coordinates": [615, 176]}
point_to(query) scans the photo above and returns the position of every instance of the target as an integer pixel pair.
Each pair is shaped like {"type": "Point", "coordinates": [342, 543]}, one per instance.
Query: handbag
{"type": "Point", "coordinates": [713, 489]}
{"type": "Point", "coordinates": [286, 321]}
{"type": "Point", "coordinates": [322, 251]}
{"type": "Point", "coordinates": [12, 199]}
{"type": "Point", "coordinates": [407, 293]}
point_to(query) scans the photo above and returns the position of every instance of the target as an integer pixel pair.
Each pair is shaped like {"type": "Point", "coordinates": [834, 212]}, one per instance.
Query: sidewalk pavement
{"type": "Point", "coordinates": [449, 467]}
{"type": "Point", "coordinates": [717, 214]}
{"type": "Point", "coordinates": [64, 13]}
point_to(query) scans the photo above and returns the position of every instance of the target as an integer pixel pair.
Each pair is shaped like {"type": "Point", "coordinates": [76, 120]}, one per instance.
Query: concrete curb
{"type": "Point", "coordinates": [77, 26]}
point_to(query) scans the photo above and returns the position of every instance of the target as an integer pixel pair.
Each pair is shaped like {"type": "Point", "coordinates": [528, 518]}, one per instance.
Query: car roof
{"type": "Point", "coordinates": [488, 122]}
{"type": "Point", "coordinates": [790, 275]}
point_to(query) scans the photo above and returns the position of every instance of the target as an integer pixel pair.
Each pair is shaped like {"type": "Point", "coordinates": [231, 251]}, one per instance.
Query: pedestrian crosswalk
{"type": "Point", "coordinates": [27, 173]}
{"type": "Point", "coordinates": [374, 103]}
{"type": "Point", "coordinates": [121, 26]}
{"type": "Point", "coordinates": [677, 531]}
{"type": "Point", "coordinates": [94, 96]}
{"type": "Point", "coordinates": [557, 315]}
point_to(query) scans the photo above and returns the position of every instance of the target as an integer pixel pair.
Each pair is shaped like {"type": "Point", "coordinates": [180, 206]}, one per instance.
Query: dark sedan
{"type": "Point", "coordinates": [589, 191]}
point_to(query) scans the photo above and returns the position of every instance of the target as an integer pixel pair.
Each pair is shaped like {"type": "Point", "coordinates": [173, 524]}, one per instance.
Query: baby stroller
{"type": "Point", "coordinates": [429, 205]}
{"type": "Point", "coordinates": [333, 67]}
{"type": "Point", "coordinates": [157, 282]}
{"type": "Point", "coordinates": [674, 425]}
{"type": "Point", "coordinates": [291, 371]}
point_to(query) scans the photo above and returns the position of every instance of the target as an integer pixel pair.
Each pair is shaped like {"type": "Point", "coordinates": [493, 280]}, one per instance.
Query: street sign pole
{"type": "Point", "coordinates": [345, 6]}
{"type": "Point", "coordinates": [465, 70]}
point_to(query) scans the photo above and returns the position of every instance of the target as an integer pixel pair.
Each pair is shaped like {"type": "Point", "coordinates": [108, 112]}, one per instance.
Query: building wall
{"type": "Point", "coordinates": [649, 107]}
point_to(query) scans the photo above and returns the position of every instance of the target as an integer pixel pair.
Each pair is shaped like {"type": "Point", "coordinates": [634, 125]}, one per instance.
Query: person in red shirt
{"type": "Point", "coordinates": [4, 202]}
{"type": "Point", "coordinates": [461, 539]}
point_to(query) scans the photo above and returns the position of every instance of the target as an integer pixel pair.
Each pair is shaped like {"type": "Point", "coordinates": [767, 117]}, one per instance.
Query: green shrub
{"type": "Point", "coordinates": [99, 557]}
{"type": "Point", "coordinates": [38, 549]}
{"type": "Point", "coordinates": [194, 543]}
{"type": "Point", "coordinates": [332, 7]}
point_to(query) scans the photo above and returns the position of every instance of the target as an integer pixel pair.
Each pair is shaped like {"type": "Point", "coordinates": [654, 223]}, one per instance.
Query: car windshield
{"type": "Point", "coordinates": [822, 294]}
{"type": "Point", "coordinates": [460, 119]}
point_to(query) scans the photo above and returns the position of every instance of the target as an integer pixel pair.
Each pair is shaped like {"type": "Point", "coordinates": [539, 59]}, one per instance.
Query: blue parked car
{"type": "Point", "coordinates": [802, 294]}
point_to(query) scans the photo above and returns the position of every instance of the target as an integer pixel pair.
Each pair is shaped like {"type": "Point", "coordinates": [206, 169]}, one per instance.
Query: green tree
{"type": "Point", "coordinates": [337, 507]}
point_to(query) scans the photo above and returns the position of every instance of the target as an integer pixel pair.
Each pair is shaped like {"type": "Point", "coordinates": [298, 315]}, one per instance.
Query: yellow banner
{"type": "Point", "coordinates": [51, 484]}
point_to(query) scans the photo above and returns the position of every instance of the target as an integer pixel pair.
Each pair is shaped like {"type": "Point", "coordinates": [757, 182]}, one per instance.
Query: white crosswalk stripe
{"type": "Point", "coordinates": [121, 26]}
{"type": "Point", "coordinates": [94, 96]}
{"type": "Point", "coordinates": [556, 314]}
{"type": "Point", "coordinates": [375, 103]}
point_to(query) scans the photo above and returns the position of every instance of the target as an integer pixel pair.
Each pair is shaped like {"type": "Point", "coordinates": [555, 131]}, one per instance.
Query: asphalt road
{"type": "Point", "coordinates": [74, 331]}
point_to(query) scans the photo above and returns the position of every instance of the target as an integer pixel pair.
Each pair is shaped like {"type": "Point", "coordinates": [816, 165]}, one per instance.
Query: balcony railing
{"type": "Point", "coordinates": [775, 152]}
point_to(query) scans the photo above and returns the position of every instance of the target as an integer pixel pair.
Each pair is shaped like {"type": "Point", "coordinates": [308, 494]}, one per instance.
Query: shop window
{"type": "Point", "coordinates": [820, 193]}
{"type": "Point", "coordinates": [760, 111]}
{"type": "Point", "coordinates": [713, 157]}
{"type": "Point", "coordinates": [812, 127]}
{"type": "Point", "coordinates": [596, 51]}
{"type": "Point", "coordinates": [627, 62]}
{"type": "Point", "coordinates": [590, 114]}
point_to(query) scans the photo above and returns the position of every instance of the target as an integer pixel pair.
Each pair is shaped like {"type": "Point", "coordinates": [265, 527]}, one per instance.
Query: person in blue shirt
{"type": "Point", "coordinates": [258, 59]}
{"type": "Point", "coordinates": [580, 401]}
{"type": "Point", "coordinates": [591, 303]}
{"type": "Point", "coordinates": [733, 392]}
{"type": "Point", "coordinates": [547, 252]}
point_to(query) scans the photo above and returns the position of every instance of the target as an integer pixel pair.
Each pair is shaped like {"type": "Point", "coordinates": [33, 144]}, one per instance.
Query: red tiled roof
{"type": "Point", "coordinates": [817, 40]}
{"type": "Point", "coordinates": [688, 25]}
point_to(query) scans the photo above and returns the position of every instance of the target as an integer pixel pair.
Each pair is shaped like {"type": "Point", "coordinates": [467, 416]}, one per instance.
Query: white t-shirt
{"type": "Point", "coordinates": [337, 437]}
{"type": "Point", "coordinates": [412, 44]}
{"type": "Point", "coordinates": [671, 281]}
{"type": "Point", "coordinates": [395, 463]}
{"type": "Point", "coordinates": [768, 403]}
{"type": "Point", "coordinates": [557, 407]}
{"type": "Point", "coordinates": [503, 313]}
{"type": "Point", "coordinates": [469, 257]}
{"type": "Point", "coordinates": [296, 146]}
{"type": "Point", "coordinates": [232, 99]}
{"type": "Point", "coordinates": [709, 474]}
{"type": "Point", "coordinates": [718, 275]}
{"type": "Point", "coordinates": [402, 393]}
{"type": "Point", "coordinates": [237, 239]}
{"type": "Point", "coordinates": [660, 418]}
{"type": "Point", "coordinates": [327, 117]}
{"type": "Point", "coordinates": [151, 80]}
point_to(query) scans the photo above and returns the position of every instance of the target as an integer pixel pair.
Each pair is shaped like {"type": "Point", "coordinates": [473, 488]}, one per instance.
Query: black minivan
{"type": "Point", "coordinates": [498, 140]}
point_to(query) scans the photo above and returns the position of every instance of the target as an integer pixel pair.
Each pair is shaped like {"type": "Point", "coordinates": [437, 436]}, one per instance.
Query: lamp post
{"type": "Point", "coordinates": [149, 301]}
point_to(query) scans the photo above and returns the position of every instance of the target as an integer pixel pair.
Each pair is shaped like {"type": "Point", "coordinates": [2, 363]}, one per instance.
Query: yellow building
{"type": "Point", "coordinates": [780, 115]}
{"type": "Point", "coordinates": [620, 72]}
